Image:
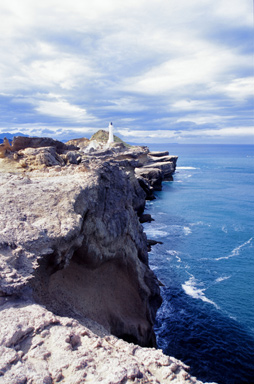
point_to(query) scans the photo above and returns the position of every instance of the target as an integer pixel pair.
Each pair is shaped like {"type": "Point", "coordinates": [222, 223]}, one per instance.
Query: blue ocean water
{"type": "Point", "coordinates": [206, 262]}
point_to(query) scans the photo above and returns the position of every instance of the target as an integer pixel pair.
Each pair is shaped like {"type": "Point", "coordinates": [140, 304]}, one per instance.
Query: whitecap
{"type": "Point", "coordinates": [200, 223]}
{"type": "Point", "coordinates": [187, 230]}
{"type": "Point", "coordinates": [191, 288]}
{"type": "Point", "coordinates": [176, 254]}
{"type": "Point", "coordinates": [173, 252]}
{"type": "Point", "coordinates": [236, 251]}
{"type": "Point", "coordinates": [186, 168]}
{"type": "Point", "coordinates": [197, 223]}
{"type": "Point", "coordinates": [222, 278]}
{"type": "Point", "coordinates": [224, 229]}
{"type": "Point", "coordinates": [153, 232]}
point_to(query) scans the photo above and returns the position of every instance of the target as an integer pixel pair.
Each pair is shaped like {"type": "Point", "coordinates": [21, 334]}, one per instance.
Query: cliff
{"type": "Point", "coordinates": [74, 268]}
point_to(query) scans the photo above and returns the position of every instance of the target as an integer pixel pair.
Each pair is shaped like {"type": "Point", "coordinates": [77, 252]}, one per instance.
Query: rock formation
{"type": "Point", "coordinates": [74, 270]}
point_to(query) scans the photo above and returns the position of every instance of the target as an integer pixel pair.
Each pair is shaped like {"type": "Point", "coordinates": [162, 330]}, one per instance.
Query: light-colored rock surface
{"type": "Point", "coordinates": [74, 270]}
{"type": "Point", "coordinates": [38, 347]}
{"type": "Point", "coordinates": [75, 239]}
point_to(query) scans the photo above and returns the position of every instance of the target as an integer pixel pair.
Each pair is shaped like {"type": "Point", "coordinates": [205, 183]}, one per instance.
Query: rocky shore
{"type": "Point", "coordinates": [77, 297]}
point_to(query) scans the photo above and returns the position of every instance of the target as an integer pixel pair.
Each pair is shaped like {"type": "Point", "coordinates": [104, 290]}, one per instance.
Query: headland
{"type": "Point", "coordinates": [77, 297]}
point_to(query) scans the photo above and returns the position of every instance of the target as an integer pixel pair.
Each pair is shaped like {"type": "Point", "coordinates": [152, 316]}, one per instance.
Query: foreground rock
{"type": "Point", "coordinates": [74, 270]}
{"type": "Point", "coordinates": [39, 347]}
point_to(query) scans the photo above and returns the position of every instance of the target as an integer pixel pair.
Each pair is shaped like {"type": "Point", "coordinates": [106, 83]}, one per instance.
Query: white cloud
{"type": "Point", "coordinates": [160, 136]}
{"type": "Point", "coordinates": [200, 65]}
{"type": "Point", "coordinates": [204, 119]}
{"type": "Point", "coordinates": [240, 88]}
{"type": "Point", "coordinates": [126, 104]}
{"type": "Point", "coordinates": [145, 62]}
{"type": "Point", "coordinates": [63, 109]}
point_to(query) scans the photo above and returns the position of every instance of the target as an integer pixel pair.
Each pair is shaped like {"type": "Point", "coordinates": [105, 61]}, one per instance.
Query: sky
{"type": "Point", "coordinates": [163, 71]}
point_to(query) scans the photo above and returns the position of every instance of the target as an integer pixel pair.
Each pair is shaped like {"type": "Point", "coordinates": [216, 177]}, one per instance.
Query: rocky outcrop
{"type": "Point", "coordinates": [158, 167]}
{"type": "Point", "coordinates": [4, 148]}
{"type": "Point", "coordinates": [74, 270]}
{"type": "Point", "coordinates": [80, 143]}
{"type": "Point", "coordinates": [64, 237]}
{"type": "Point", "coordinates": [22, 142]}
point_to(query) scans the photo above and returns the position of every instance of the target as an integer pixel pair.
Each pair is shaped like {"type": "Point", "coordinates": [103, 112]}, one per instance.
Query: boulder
{"type": "Point", "coordinates": [36, 158]}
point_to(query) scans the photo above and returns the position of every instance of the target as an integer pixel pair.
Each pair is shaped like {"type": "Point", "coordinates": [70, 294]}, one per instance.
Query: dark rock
{"type": "Point", "coordinates": [22, 142]}
{"type": "Point", "coordinates": [145, 218]}
{"type": "Point", "coordinates": [153, 175]}
{"type": "Point", "coordinates": [145, 185]}
{"type": "Point", "coordinates": [150, 243]}
{"type": "Point", "coordinates": [159, 154]}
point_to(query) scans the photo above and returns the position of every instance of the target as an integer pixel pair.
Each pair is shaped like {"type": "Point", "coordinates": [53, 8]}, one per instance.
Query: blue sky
{"type": "Point", "coordinates": [161, 70]}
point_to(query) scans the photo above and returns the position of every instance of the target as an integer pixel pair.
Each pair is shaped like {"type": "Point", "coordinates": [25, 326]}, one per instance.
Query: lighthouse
{"type": "Point", "coordinates": [110, 131]}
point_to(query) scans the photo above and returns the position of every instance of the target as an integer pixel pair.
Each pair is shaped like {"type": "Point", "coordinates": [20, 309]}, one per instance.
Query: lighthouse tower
{"type": "Point", "coordinates": [110, 136]}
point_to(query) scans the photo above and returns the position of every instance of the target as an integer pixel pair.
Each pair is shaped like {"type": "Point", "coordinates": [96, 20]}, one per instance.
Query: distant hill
{"type": "Point", "coordinates": [10, 136]}
{"type": "Point", "coordinates": [102, 137]}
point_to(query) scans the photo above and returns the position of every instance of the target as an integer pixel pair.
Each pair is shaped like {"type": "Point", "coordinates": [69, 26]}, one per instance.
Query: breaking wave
{"type": "Point", "coordinates": [236, 251]}
{"type": "Point", "coordinates": [192, 288]}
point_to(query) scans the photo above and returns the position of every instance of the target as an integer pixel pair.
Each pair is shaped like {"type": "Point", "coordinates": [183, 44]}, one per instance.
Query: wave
{"type": "Point", "coordinates": [191, 288]}
{"type": "Point", "coordinates": [176, 254]}
{"type": "Point", "coordinates": [224, 229]}
{"type": "Point", "coordinates": [236, 251]}
{"type": "Point", "coordinates": [200, 223]}
{"type": "Point", "coordinates": [156, 233]}
{"type": "Point", "coordinates": [173, 252]}
{"type": "Point", "coordinates": [222, 278]}
{"type": "Point", "coordinates": [186, 168]}
{"type": "Point", "coordinates": [168, 230]}
{"type": "Point", "coordinates": [187, 230]}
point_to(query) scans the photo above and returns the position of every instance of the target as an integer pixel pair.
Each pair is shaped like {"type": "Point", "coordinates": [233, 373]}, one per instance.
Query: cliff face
{"type": "Point", "coordinates": [77, 242]}
{"type": "Point", "coordinates": [74, 255]}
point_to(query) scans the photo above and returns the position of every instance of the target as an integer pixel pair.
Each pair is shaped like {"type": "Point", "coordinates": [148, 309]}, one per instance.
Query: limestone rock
{"type": "Point", "coordinates": [39, 157]}
{"type": "Point", "coordinates": [80, 143]}
{"type": "Point", "coordinates": [68, 235]}
{"type": "Point", "coordinates": [74, 269]}
{"type": "Point", "coordinates": [153, 175]}
{"type": "Point", "coordinates": [38, 347]}
{"type": "Point", "coordinates": [4, 147]}
{"type": "Point", "coordinates": [158, 154]}
{"type": "Point", "coordinates": [22, 142]}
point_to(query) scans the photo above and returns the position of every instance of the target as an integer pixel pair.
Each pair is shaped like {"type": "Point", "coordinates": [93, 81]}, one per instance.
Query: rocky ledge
{"type": "Point", "coordinates": [77, 297]}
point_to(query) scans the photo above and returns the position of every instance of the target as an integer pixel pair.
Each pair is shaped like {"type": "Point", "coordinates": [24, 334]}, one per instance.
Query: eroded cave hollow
{"type": "Point", "coordinates": [109, 294]}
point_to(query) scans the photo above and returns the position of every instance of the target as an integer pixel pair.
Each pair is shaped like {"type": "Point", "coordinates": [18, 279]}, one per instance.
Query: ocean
{"type": "Point", "coordinates": [206, 262]}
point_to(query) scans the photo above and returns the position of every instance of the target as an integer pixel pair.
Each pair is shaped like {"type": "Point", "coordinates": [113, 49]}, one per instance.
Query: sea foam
{"type": "Point", "coordinates": [186, 168]}
{"type": "Point", "coordinates": [236, 251]}
{"type": "Point", "coordinates": [222, 278]}
{"type": "Point", "coordinates": [191, 288]}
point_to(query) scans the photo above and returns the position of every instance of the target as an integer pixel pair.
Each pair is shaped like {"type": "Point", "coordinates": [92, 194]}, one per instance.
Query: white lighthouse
{"type": "Point", "coordinates": [110, 136]}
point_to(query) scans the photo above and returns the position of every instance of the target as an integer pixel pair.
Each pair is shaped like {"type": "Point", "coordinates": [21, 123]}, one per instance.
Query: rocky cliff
{"type": "Point", "coordinates": [74, 268]}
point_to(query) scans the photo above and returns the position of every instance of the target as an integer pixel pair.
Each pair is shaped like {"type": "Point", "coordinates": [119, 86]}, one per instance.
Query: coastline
{"type": "Point", "coordinates": [72, 245]}
{"type": "Point", "coordinates": [205, 215]}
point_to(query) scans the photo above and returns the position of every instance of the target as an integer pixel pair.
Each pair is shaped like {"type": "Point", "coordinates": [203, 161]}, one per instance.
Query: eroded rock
{"type": "Point", "coordinates": [74, 269]}
{"type": "Point", "coordinates": [39, 347]}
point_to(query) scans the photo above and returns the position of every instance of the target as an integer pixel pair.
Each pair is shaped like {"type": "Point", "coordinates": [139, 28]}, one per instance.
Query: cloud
{"type": "Point", "coordinates": [185, 136]}
{"type": "Point", "coordinates": [63, 109]}
{"type": "Point", "coordinates": [145, 65]}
